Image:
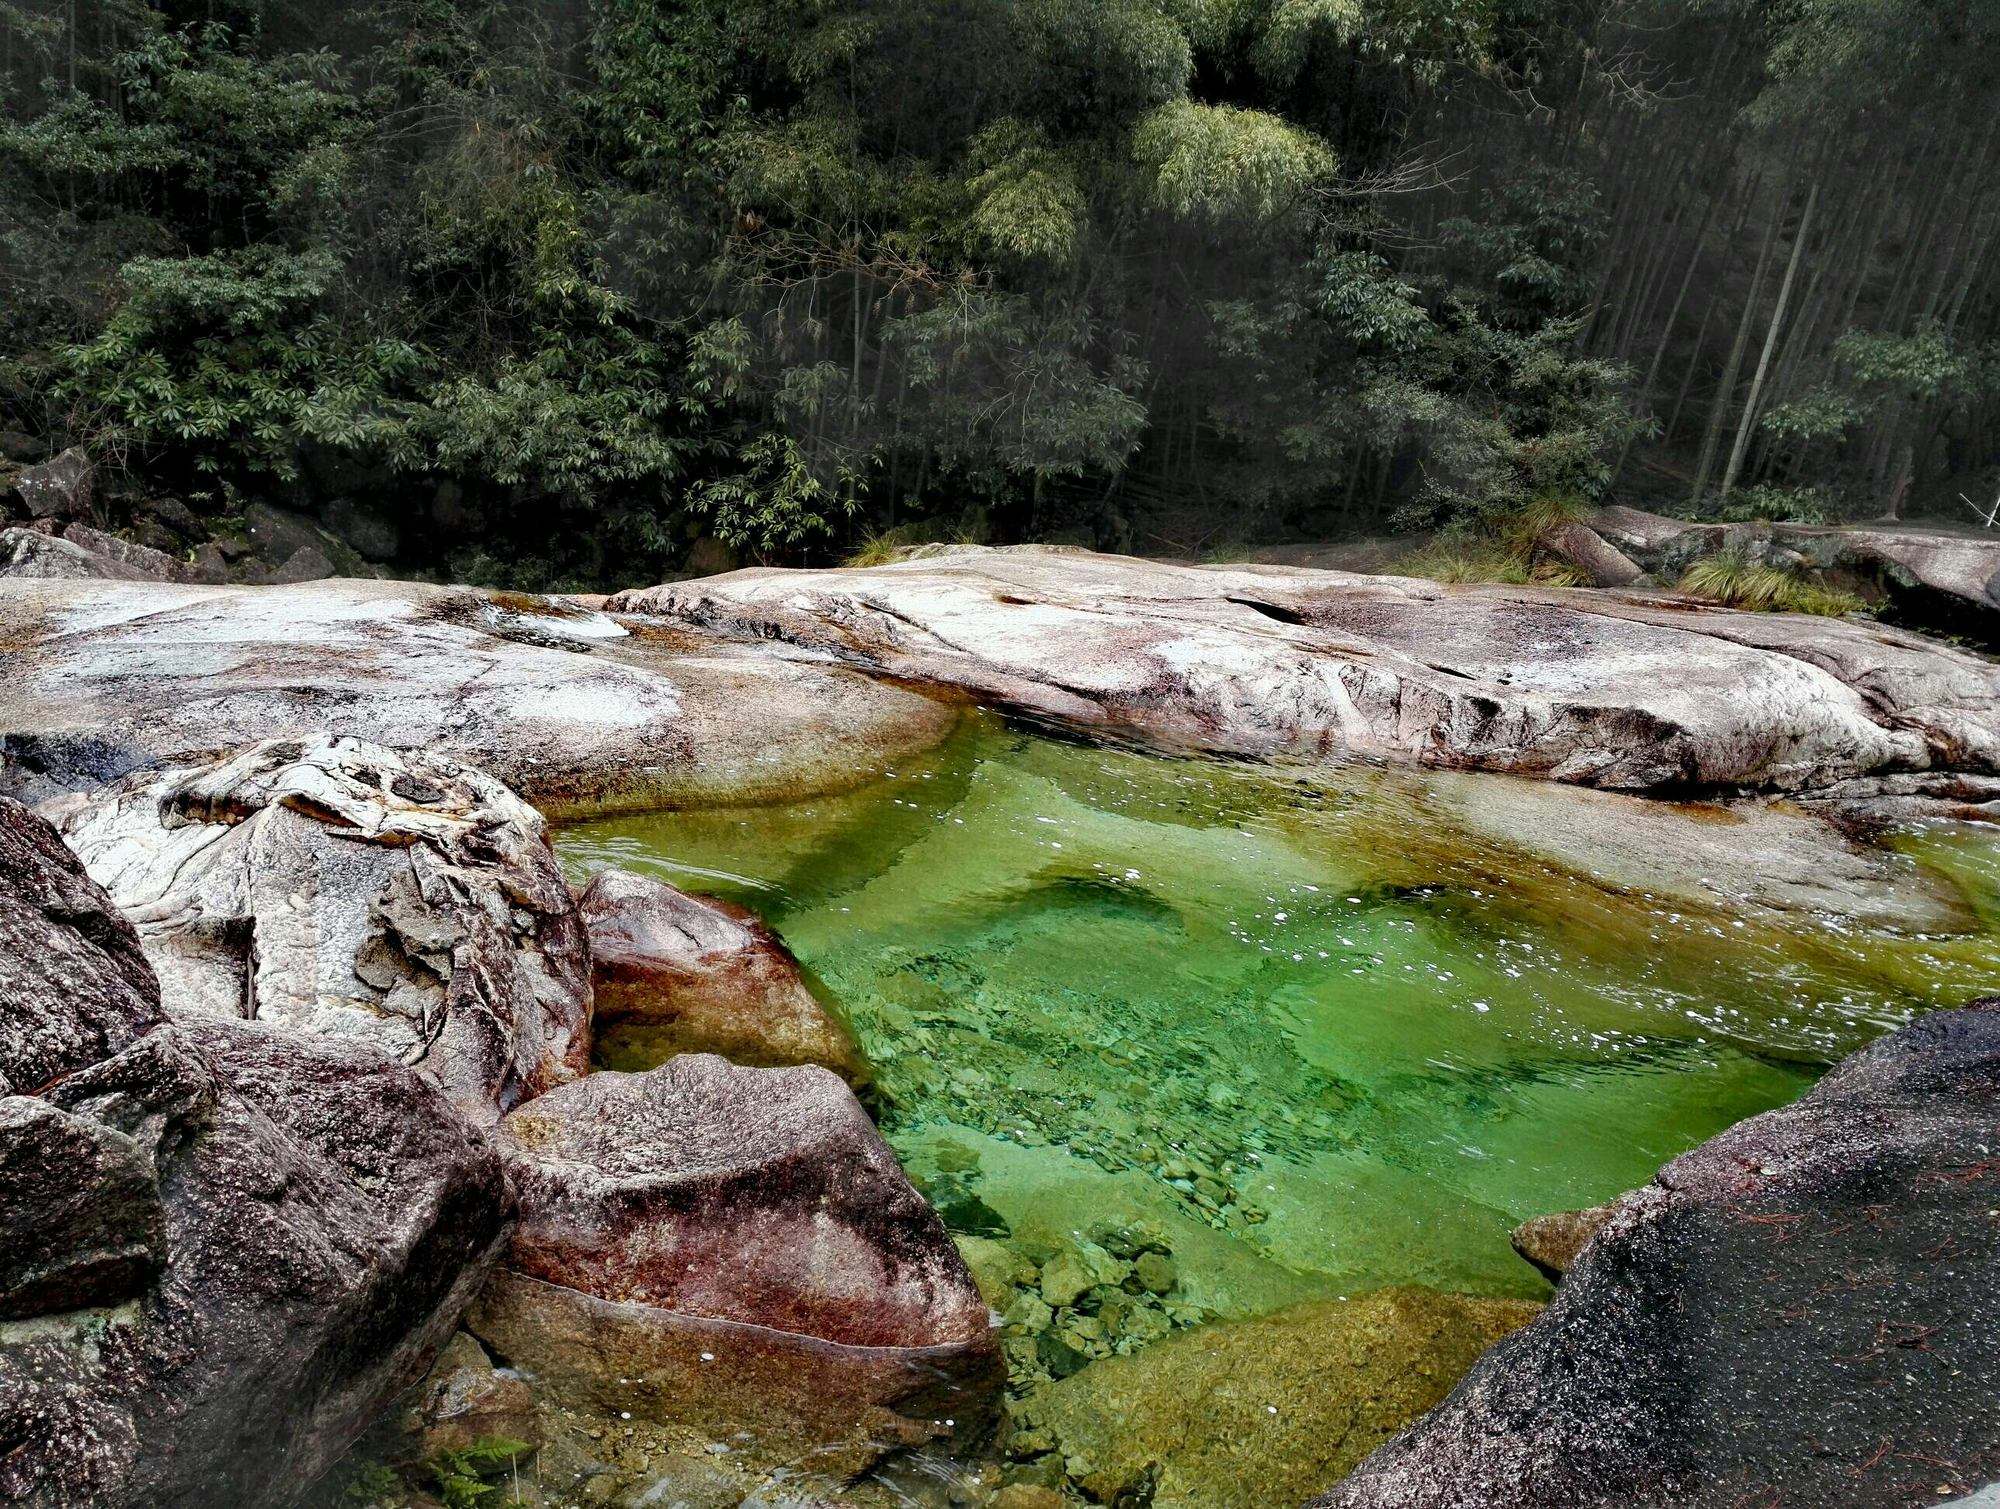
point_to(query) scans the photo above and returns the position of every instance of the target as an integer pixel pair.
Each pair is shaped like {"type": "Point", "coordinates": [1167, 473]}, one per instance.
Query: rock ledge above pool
{"type": "Point", "coordinates": [1613, 689]}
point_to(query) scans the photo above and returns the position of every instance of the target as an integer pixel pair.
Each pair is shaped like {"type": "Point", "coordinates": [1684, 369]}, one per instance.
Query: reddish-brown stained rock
{"type": "Point", "coordinates": [674, 973]}
{"type": "Point", "coordinates": [763, 1196]}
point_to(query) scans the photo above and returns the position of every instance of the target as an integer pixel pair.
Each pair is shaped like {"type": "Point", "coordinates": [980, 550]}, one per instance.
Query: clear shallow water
{"type": "Point", "coordinates": [1318, 1028]}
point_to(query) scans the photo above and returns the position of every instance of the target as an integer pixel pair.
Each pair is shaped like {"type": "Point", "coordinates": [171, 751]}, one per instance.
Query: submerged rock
{"type": "Point", "coordinates": [342, 888]}
{"type": "Point", "coordinates": [1552, 1242]}
{"type": "Point", "coordinates": [1797, 1311]}
{"type": "Point", "coordinates": [560, 703]}
{"type": "Point", "coordinates": [674, 973]}
{"type": "Point", "coordinates": [1617, 690]}
{"type": "Point", "coordinates": [228, 1245]}
{"type": "Point", "coordinates": [1264, 1411]}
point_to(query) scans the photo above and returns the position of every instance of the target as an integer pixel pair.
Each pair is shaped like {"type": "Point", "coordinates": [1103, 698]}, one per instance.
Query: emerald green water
{"type": "Point", "coordinates": [1313, 1027]}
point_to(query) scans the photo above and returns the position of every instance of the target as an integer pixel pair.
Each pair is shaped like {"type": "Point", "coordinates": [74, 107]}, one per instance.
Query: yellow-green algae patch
{"type": "Point", "coordinates": [1246, 1413]}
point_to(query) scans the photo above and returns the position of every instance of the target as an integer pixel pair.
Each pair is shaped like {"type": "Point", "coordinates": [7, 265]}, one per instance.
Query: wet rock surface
{"type": "Point", "coordinates": [1264, 1411]}
{"type": "Point", "coordinates": [562, 704]}
{"type": "Point", "coordinates": [674, 973]}
{"type": "Point", "coordinates": [1795, 1312]}
{"type": "Point", "coordinates": [762, 1196]}
{"type": "Point", "coordinates": [1617, 690]}
{"type": "Point", "coordinates": [343, 888]}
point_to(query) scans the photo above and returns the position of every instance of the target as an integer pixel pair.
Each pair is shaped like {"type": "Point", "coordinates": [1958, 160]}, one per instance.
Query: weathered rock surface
{"type": "Point", "coordinates": [1602, 563]}
{"type": "Point", "coordinates": [63, 487]}
{"type": "Point", "coordinates": [562, 704]}
{"type": "Point", "coordinates": [763, 1196]}
{"type": "Point", "coordinates": [466, 1398]}
{"type": "Point", "coordinates": [1798, 1312]}
{"type": "Point", "coordinates": [74, 984]}
{"type": "Point", "coordinates": [327, 1216]}
{"type": "Point", "coordinates": [338, 887]}
{"type": "Point", "coordinates": [674, 973]}
{"type": "Point", "coordinates": [38, 555]}
{"type": "Point", "coordinates": [1248, 1413]}
{"type": "Point", "coordinates": [1961, 567]}
{"type": "Point", "coordinates": [80, 1208]}
{"type": "Point", "coordinates": [1606, 689]}
{"type": "Point", "coordinates": [227, 1245]}
{"type": "Point", "coordinates": [1552, 1242]}
{"type": "Point", "coordinates": [735, 1251]}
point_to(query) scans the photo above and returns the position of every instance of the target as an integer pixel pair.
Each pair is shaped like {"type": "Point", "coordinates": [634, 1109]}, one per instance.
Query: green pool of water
{"type": "Point", "coordinates": [1312, 1026]}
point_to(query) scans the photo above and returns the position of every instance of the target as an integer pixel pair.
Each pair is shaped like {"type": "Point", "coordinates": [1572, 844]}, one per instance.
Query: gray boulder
{"type": "Point", "coordinates": [228, 1245]}
{"type": "Point", "coordinates": [324, 1216]}
{"type": "Point", "coordinates": [338, 887]}
{"type": "Point", "coordinates": [75, 986]}
{"type": "Point", "coordinates": [1799, 1311]}
{"type": "Point", "coordinates": [63, 487]}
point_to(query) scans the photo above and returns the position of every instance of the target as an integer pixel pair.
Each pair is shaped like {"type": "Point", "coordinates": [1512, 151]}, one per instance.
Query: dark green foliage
{"type": "Point", "coordinates": [562, 285]}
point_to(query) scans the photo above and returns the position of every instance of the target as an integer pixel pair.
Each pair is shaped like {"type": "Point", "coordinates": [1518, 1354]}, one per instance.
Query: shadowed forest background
{"type": "Point", "coordinates": [572, 294]}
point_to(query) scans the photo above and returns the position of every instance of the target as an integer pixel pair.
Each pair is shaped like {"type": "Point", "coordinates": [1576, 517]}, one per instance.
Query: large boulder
{"type": "Point", "coordinates": [1951, 575]}
{"type": "Point", "coordinates": [41, 555]}
{"type": "Point", "coordinates": [323, 1218]}
{"type": "Point", "coordinates": [339, 887]}
{"type": "Point", "coordinates": [735, 1250]}
{"type": "Point", "coordinates": [1798, 1311]}
{"type": "Point", "coordinates": [75, 986]}
{"type": "Point", "coordinates": [673, 973]}
{"type": "Point", "coordinates": [574, 711]}
{"type": "Point", "coordinates": [763, 1196]}
{"type": "Point", "coordinates": [63, 487]}
{"type": "Point", "coordinates": [1610, 689]}
{"type": "Point", "coordinates": [227, 1245]}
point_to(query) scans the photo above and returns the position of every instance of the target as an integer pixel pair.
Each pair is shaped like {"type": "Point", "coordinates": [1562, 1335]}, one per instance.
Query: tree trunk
{"type": "Point", "coordinates": [1749, 424]}
{"type": "Point", "coordinates": [1726, 390]}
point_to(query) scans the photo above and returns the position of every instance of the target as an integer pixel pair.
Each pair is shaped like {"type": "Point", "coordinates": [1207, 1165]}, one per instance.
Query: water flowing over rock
{"type": "Point", "coordinates": [75, 986]}
{"type": "Point", "coordinates": [1618, 690]}
{"type": "Point", "coordinates": [342, 888]}
{"type": "Point", "coordinates": [674, 973]}
{"type": "Point", "coordinates": [564, 705]}
{"type": "Point", "coordinates": [1798, 1311]}
{"type": "Point", "coordinates": [229, 1245]}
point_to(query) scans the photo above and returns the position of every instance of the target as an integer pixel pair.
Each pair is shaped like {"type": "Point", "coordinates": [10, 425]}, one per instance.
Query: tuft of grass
{"type": "Point", "coordinates": [1734, 580]}
{"type": "Point", "coordinates": [1482, 561]}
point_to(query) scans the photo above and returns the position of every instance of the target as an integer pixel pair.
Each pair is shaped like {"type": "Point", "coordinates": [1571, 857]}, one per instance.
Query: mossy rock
{"type": "Point", "coordinates": [1266, 1411]}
